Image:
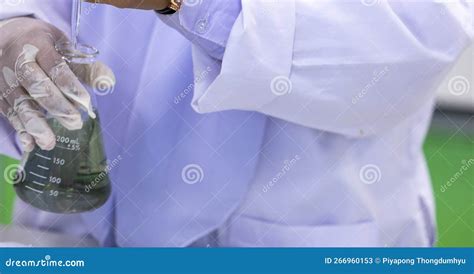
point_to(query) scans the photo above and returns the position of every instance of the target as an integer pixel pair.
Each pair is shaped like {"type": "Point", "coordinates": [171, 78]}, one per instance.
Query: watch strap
{"type": "Point", "coordinates": [172, 8]}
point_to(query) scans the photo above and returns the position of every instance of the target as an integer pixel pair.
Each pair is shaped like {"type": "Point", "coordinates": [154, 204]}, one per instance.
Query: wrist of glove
{"type": "Point", "coordinates": [34, 79]}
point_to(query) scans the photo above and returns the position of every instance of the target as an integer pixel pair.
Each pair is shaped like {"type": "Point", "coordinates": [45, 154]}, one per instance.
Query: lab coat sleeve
{"type": "Point", "coordinates": [356, 68]}
{"type": "Point", "coordinates": [207, 23]}
{"type": "Point", "coordinates": [49, 11]}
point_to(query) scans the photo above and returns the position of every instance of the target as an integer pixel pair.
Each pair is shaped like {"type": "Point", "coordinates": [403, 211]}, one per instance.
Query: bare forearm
{"type": "Point", "coordinates": [144, 4]}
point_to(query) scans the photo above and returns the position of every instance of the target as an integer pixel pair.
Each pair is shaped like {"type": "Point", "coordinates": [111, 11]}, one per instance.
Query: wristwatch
{"type": "Point", "coordinates": [173, 7]}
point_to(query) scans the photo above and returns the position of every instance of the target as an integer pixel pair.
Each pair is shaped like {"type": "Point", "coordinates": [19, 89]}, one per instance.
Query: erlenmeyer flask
{"type": "Point", "coordinates": [73, 177]}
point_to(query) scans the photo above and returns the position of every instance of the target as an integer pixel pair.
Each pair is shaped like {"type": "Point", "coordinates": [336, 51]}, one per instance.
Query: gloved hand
{"type": "Point", "coordinates": [34, 78]}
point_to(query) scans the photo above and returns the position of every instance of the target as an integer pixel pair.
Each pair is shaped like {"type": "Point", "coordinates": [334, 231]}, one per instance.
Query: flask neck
{"type": "Point", "coordinates": [74, 53]}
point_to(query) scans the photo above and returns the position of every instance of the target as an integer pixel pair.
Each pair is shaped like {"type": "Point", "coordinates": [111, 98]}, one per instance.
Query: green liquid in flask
{"type": "Point", "coordinates": [71, 178]}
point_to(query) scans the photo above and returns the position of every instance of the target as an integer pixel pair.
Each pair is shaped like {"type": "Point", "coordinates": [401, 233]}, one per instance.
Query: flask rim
{"type": "Point", "coordinates": [80, 53]}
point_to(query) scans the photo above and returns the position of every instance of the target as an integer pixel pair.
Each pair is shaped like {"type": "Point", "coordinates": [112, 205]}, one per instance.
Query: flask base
{"type": "Point", "coordinates": [86, 193]}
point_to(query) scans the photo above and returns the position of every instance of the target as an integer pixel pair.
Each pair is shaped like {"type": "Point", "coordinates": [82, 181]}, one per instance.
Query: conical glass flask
{"type": "Point", "coordinates": [73, 177]}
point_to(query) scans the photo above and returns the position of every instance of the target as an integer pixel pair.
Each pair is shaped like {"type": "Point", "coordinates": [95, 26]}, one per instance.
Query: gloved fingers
{"type": "Point", "coordinates": [65, 80]}
{"type": "Point", "coordinates": [34, 122]}
{"type": "Point", "coordinates": [5, 108]}
{"type": "Point", "coordinates": [27, 119]}
{"type": "Point", "coordinates": [46, 93]}
{"type": "Point", "coordinates": [26, 139]}
{"type": "Point", "coordinates": [96, 75]}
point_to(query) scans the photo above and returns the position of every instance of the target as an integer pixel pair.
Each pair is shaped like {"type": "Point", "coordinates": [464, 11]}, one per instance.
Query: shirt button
{"type": "Point", "coordinates": [201, 26]}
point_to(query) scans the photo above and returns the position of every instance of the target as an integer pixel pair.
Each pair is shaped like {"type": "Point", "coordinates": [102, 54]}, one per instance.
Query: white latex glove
{"type": "Point", "coordinates": [34, 78]}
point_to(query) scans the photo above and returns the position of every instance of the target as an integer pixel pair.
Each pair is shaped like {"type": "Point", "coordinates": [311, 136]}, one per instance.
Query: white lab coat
{"type": "Point", "coordinates": [306, 120]}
